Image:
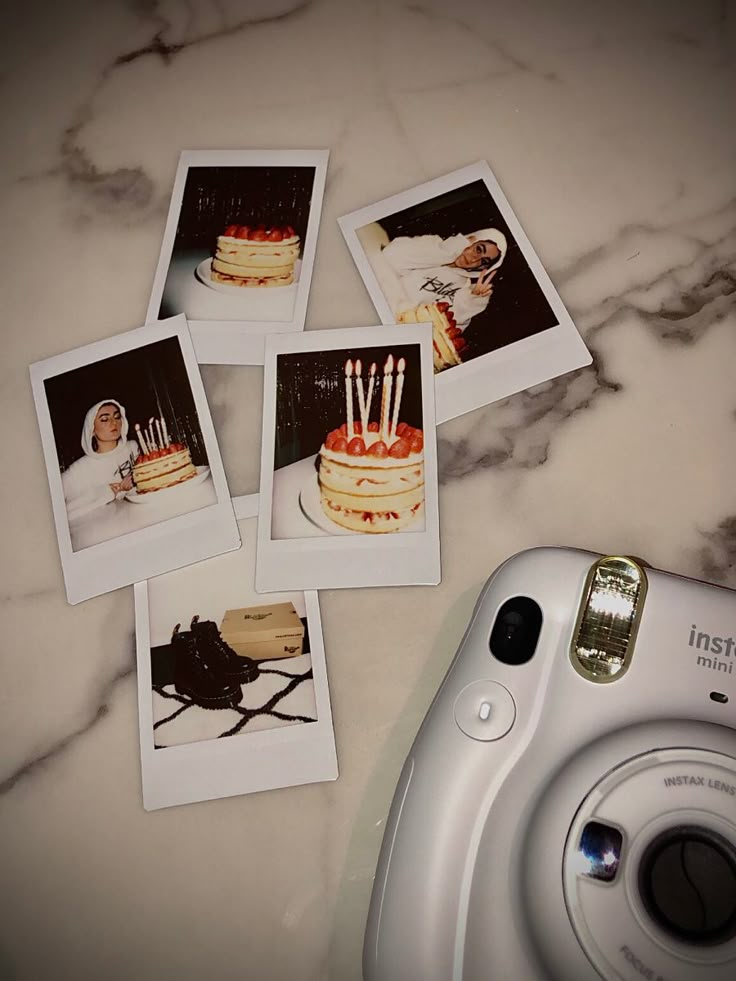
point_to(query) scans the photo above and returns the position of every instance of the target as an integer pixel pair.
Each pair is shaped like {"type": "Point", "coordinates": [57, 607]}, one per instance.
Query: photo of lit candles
{"type": "Point", "coordinates": [349, 453]}
{"type": "Point", "coordinates": [349, 423]}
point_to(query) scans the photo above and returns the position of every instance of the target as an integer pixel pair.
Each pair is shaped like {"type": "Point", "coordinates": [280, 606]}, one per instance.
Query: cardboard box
{"type": "Point", "coordinates": [263, 632]}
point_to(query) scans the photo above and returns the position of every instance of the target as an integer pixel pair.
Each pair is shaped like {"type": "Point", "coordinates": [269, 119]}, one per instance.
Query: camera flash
{"type": "Point", "coordinates": [604, 635]}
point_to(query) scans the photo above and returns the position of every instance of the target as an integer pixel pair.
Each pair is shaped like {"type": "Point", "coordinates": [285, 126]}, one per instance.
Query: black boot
{"type": "Point", "coordinates": [196, 678]}
{"type": "Point", "coordinates": [220, 655]}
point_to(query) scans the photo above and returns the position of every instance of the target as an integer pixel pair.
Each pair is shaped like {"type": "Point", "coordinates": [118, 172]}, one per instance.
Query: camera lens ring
{"type": "Point", "coordinates": [687, 884]}
{"type": "Point", "coordinates": [629, 797]}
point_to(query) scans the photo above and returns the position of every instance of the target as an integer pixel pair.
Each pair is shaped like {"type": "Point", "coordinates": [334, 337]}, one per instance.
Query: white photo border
{"type": "Point", "coordinates": [241, 342]}
{"type": "Point", "coordinates": [177, 541]}
{"type": "Point", "coordinates": [349, 561]}
{"type": "Point", "coordinates": [507, 370]}
{"type": "Point", "coordinates": [214, 768]}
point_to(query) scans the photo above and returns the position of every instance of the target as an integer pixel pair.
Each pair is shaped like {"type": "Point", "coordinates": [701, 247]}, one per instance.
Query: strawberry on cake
{"type": "Point", "coordinates": [448, 342]}
{"type": "Point", "coordinates": [371, 474]}
{"type": "Point", "coordinates": [256, 256]}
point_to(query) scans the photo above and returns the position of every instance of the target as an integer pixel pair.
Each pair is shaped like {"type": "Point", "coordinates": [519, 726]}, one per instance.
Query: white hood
{"type": "Point", "coordinates": [88, 428]}
{"type": "Point", "coordinates": [487, 235]}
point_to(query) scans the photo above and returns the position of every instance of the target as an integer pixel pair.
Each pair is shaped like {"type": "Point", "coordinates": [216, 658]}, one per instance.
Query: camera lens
{"type": "Point", "coordinates": [687, 881]}
{"type": "Point", "coordinates": [516, 630]}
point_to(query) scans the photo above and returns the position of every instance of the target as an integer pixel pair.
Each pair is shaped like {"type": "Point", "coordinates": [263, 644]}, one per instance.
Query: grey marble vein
{"type": "Point", "coordinates": [119, 190]}
{"type": "Point", "coordinates": [515, 63]}
{"type": "Point", "coordinates": [129, 192]}
{"type": "Point", "coordinates": [682, 317]}
{"type": "Point", "coordinates": [166, 50]}
{"type": "Point", "coordinates": [30, 596]}
{"type": "Point", "coordinates": [725, 30]}
{"type": "Point", "coordinates": [716, 558]}
{"type": "Point", "coordinates": [101, 702]}
{"type": "Point", "coordinates": [535, 417]}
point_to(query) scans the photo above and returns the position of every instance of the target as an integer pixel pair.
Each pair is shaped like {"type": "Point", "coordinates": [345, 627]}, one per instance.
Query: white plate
{"type": "Point", "coordinates": [166, 492]}
{"type": "Point", "coordinates": [204, 270]}
{"type": "Point", "coordinates": [312, 509]}
{"type": "Point", "coordinates": [310, 504]}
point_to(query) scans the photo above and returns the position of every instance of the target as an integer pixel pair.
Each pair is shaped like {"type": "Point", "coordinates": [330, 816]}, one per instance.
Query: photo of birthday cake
{"type": "Point", "coordinates": [448, 342]}
{"type": "Point", "coordinates": [256, 256]}
{"type": "Point", "coordinates": [162, 463]}
{"type": "Point", "coordinates": [371, 474]}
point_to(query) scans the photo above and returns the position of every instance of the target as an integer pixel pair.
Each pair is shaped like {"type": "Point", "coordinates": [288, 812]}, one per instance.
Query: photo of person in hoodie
{"type": "Point", "coordinates": [104, 415]}
{"type": "Point", "coordinates": [98, 476]}
{"type": "Point", "coordinates": [458, 270]}
{"type": "Point", "coordinates": [458, 248]}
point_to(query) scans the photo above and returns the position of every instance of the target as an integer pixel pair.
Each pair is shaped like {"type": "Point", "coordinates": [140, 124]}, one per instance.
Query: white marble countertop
{"type": "Point", "coordinates": [610, 128]}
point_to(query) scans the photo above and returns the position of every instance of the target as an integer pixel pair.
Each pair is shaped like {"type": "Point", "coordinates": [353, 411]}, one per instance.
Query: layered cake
{"type": "Point", "coordinates": [256, 256]}
{"type": "Point", "coordinates": [164, 467]}
{"type": "Point", "coordinates": [448, 342]}
{"type": "Point", "coordinates": [371, 475]}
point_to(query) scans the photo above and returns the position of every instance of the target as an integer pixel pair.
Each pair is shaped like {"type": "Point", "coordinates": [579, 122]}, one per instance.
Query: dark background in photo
{"type": "Point", "coordinates": [517, 307]}
{"type": "Point", "coordinates": [148, 381]}
{"type": "Point", "coordinates": [215, 197]}
{"type": "Point", "coordinates": [310, 395]}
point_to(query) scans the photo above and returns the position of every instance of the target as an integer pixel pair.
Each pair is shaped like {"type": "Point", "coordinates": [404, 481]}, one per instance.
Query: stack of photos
{"type": "Point", "coordinates": [233, 691]}
{"type": "Point", "coordinates": [137, 482]}
{"type": "Point", "coordinates": [451, 253]}
{"type": "Point", "coordinates": [232, 683]}
{"type": "Point", "coordinates": [238, 248]}
{"type": "Point", "coordinates": [349, 460]}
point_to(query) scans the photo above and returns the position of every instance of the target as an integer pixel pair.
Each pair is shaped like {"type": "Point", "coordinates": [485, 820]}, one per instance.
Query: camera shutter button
{"type": "Point", "coordinates": [485, 710]}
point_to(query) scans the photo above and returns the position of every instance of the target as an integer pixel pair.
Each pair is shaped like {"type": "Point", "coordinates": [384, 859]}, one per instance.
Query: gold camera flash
{"type": "Point", "coordinates": [605, 631]}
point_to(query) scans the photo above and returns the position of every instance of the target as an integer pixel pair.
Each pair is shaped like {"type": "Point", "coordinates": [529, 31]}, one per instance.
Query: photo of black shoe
{"type": "Point", "coordinates": [220, 655]}
{"type": "Point", "coordinates": [197, 678]}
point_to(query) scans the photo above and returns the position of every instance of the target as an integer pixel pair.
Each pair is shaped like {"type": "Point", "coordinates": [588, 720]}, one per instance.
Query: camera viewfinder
{"type": "Point", "coordinates": [516, 630]}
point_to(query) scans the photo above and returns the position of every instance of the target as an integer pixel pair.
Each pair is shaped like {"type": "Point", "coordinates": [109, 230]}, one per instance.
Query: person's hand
{"type": "Point", "coordinates": [482, 286]}
{"type": "Point", "coordinates": [123, 485]}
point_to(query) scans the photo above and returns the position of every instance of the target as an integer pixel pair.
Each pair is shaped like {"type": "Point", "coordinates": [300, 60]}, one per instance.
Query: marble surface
{"type": "Point", "coordinates": [610, 128]}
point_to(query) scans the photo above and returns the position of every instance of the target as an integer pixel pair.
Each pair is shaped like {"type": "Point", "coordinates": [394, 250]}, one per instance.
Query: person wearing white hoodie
{"type": "Point", "coordinates": [95, 479]}
{"type": "Point", "coordinates": [458, 270]}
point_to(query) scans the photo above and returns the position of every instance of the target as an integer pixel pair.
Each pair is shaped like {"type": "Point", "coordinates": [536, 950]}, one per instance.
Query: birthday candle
{"type": "Point", "coordinates": [388, 380]}
{"type": "Point", "coordinates": [349, 396]}
{"type": "Point", "coordinates": [361, 395]}
{"type": "Point", "coordinates": [165, 431]}
{"type": "Point", "coordinates": [158, 433]}
{"type": "Point", "coordinates": [141, 440]}
{"type": "Point", "coordinates": [149, 433]}
{"type": "Point", "coordinates": [397, 402]}
{"type": "Point", "coordinates": [370, 391]}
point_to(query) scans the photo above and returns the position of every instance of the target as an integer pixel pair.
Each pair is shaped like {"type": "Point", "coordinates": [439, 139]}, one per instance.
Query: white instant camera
{"type": "Point", "coordinates": [568, 809]}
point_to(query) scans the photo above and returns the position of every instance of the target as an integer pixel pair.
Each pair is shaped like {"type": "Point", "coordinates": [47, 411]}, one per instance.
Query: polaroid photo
{"type": "Point", "coordinates": [238, 248]}
{"type": "Point", "coordinates": [452, 253]}
{"type": "Point", "coordinates": [136, 479]}
{"type": "Point", "coordinates": [232, 686]}
{"type": "Point", "coordinates": [349, 460]}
